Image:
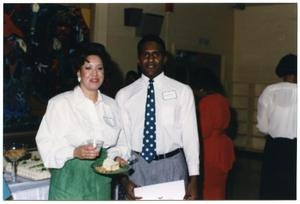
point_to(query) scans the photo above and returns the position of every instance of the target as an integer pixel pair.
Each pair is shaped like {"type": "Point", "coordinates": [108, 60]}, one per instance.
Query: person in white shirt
{"type": "Point", "coordinates": [72, 118]}
{"type": "Point", "coordinates": [176, 145]}
{"type": "Point", "coordinates": [277, 118]}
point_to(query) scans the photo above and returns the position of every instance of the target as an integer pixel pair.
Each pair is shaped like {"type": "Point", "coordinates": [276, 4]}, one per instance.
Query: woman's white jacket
{"type": "Point", "coordinates": [71, 119]}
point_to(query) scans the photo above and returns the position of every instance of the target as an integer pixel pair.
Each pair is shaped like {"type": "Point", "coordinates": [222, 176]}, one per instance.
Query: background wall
{"type": "Point", "coordinates": [263, 33]}
{"type": "Point", "coordinates": [206, 28]}
{"type": "Point", "coordinates": [250, 41]}
{"type": "Point", "coordinates": [180, 30]}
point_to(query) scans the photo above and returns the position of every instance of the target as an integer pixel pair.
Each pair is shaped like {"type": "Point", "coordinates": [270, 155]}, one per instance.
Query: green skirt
{"type": "Point", "coordinates": [78, 181]}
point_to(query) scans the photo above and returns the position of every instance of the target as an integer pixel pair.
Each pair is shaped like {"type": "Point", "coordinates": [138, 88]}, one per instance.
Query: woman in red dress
{"type": "Point", "coordinates": [213, 118]}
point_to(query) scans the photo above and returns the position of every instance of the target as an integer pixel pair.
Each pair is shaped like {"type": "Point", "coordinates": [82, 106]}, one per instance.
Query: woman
{"type": "Point", "coordinates": [70, 120]}
{"type": "Point", "coordinates": [214, 117]}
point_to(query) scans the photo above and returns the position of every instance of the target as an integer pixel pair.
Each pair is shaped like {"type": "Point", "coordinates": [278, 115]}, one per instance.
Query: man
{"type": "Point", "coordinates": [160, 123]}
{"type": "Point", "coordinates": [277, 118]}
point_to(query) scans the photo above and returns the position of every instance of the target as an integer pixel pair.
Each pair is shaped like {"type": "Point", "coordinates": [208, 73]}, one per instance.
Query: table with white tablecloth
{"type": "Point", "coordinates": [26, 189]}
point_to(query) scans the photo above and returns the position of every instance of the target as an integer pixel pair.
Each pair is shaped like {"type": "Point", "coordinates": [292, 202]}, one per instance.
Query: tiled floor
{"type": "Point", "coordinates": [244, 178]}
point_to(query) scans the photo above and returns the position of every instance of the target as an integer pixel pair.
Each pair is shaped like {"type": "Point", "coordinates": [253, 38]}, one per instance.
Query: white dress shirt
{"type": "Point", "coordinates": [277, 110]}
{"type": "Point", "coordinates": [71, 119]}
{"type": "Point", "coordinates": [176, 124]}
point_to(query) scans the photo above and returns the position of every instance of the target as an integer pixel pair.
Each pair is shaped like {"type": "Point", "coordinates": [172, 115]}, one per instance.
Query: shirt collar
{"type": "Point", "coordinates": [158, 79]}
{"type": "Point", "coordinates": [81, 97]}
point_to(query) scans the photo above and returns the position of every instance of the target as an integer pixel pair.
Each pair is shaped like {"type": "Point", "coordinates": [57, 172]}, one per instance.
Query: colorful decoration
{"type": "Point", "coordinates": [38, 39]}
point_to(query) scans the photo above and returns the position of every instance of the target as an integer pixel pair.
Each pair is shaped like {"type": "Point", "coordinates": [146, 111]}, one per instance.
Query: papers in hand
{"type": "Point", "coordinates": [174, 190]}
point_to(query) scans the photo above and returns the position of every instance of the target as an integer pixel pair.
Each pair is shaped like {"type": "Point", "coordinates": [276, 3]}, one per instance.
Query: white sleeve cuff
{"type": "Point", "coordinates": [193, 170]}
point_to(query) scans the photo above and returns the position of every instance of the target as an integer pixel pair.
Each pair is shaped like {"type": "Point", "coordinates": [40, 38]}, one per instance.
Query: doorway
{"type": "Point", "coordinates": [186, 62]}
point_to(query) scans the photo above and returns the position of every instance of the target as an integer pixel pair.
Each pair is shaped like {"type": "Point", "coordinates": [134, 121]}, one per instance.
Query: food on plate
{"type": "Point", "coordinates": [33, 169]}
{"type": "Point", "coordinates": [108, 165]}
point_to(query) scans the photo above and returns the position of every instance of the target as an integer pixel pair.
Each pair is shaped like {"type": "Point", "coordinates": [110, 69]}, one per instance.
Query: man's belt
{"type": "Point", "coordinates": [164, 156]}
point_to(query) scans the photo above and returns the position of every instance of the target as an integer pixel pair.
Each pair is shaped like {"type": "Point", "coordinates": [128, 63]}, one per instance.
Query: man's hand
{"type": "Point", "coordinates": [192, 189]}
{"type": "Point", "coordinates": [129, 187]}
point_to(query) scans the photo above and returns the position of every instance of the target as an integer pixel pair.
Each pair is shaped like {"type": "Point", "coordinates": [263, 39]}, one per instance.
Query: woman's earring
{"type": "Point", "coordinates": [78, 78]}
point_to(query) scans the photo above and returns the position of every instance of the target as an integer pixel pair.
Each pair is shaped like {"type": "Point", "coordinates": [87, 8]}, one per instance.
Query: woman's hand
{"type": "Point", "coordinates": [121, 161]}
{"type": "Point", "coordinates": [86, 152]}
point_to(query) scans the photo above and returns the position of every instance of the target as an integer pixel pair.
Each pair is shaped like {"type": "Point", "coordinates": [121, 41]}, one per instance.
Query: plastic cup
{"type": "Point", "coordinates": [95, 143]}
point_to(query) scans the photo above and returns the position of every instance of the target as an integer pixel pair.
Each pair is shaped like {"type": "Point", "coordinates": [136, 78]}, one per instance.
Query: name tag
{"type": "Point", "coordinates": [167, 95]}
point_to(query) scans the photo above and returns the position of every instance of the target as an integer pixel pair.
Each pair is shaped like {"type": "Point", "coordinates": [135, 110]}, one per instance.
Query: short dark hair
{"type": "Point", "coordinates": [90, 48]}
{"type": "Point", "coordinates": [204, 78]}
{"type": "Point", "coordinates": [151, 38]}
{"type": "Point", "coordinates": [287, 65]}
